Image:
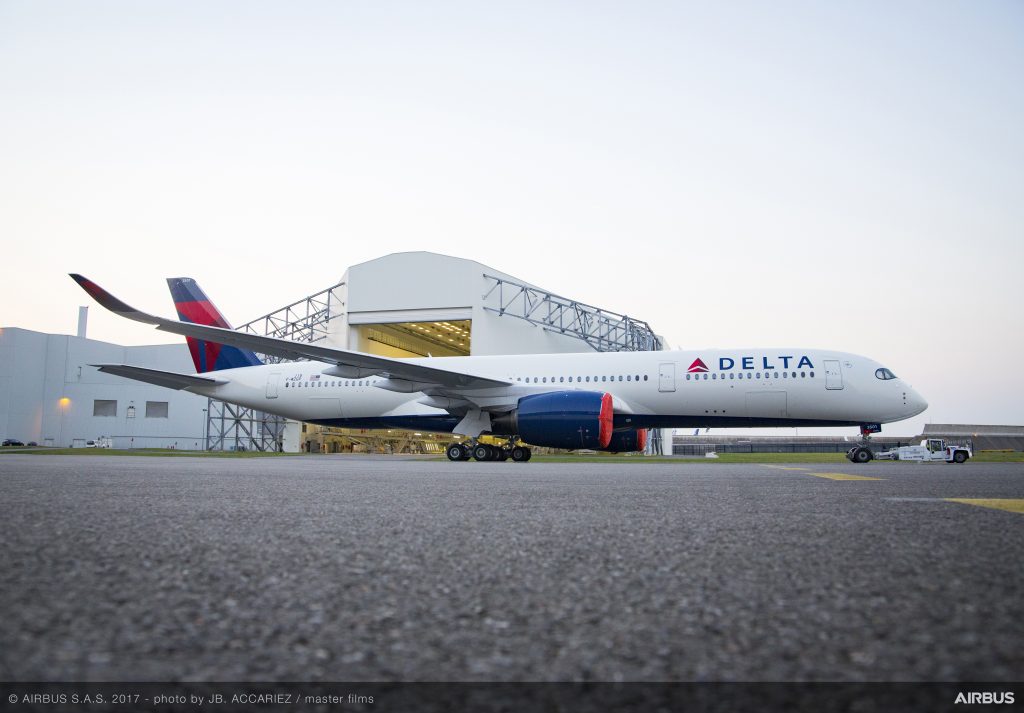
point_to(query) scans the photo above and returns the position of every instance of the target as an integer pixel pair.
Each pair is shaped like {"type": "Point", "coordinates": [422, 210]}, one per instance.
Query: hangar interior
{"type": "Point", "coordinates": [415, 339]}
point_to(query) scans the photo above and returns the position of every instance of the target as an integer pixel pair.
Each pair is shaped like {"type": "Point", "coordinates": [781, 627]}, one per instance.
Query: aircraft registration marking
{"type": "Point", "coordinates": [1008, 504]}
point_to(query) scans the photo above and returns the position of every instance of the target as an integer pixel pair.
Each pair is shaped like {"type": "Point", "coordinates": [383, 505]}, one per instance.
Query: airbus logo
{"type": "Point", "coordinates": [984, 697]}
{"type": "Point", "coordinates": [748, 362]}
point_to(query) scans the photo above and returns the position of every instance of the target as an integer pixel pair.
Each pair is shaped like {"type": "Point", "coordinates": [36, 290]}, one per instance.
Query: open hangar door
{"type": "Point", "coordinates": [408, 334]}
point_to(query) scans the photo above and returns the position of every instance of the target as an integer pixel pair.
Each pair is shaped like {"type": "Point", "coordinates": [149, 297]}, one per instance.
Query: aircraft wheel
{"type": "Point", "coordinates": [861, 455]}
{"type": "Point", "coordinates": [456, 451]}
{"type": "Point", "coordinates": [520, 454]}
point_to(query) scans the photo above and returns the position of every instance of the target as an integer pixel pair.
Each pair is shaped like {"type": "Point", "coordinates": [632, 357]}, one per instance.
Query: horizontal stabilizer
{"type": "Point", "coordinates": [169, 379]}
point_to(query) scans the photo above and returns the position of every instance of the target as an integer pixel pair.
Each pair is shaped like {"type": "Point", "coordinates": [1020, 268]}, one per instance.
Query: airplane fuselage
{"type": "Point", "coordinates": [669, 389]}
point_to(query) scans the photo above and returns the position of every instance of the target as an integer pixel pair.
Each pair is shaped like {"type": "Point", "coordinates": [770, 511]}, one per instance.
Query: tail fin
{"type": "Point", "coordinates": [194, 306]}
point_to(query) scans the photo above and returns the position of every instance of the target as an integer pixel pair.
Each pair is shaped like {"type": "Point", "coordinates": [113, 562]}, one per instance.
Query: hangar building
{"type": "Point", "coordinates": [399, 305]}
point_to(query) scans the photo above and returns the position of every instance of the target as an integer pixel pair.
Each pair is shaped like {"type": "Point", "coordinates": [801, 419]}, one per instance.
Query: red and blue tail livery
{"type": "Point", "coordinates": [195, 307]}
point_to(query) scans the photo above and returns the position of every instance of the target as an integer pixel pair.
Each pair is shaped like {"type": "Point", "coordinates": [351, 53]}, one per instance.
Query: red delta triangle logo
{"type": "Point", "coordinates": [697, 366]}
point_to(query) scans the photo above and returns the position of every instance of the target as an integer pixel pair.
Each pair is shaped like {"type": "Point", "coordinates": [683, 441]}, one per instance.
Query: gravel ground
{"type": "Point", "coordinates": [351, 568]}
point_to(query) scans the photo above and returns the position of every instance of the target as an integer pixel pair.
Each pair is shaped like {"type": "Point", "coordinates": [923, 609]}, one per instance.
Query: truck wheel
{"type": "Point", "coordinates": [959, 456]}
{"type": "Point", "coordinates": [455, 452]}
{"type": "Point", "coordinates": [861, 455]}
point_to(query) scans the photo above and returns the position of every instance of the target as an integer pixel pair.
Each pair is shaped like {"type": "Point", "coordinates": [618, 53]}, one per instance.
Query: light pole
{"type": "Point", "coordinates": [206, 424]}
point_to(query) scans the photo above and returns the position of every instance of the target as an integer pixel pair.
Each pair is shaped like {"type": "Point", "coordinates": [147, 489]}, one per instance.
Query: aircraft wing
{"type": "Point", "coordinates": [350, 364]}
{"type": "Point", "coordinates": [169, 379]}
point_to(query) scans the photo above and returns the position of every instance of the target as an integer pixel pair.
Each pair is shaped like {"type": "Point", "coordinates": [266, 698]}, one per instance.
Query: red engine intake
{"type": "Point", "coordinates": [627, 441]}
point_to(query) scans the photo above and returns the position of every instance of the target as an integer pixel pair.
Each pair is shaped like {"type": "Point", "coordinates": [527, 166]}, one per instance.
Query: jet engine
{"type": "Point", "coordinates": [560, 419]}
{"type": "Point", "coordinates": [627, 441]}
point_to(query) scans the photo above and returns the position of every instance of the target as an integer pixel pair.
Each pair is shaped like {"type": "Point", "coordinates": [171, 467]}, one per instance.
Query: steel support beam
{"type": "Point", "coordinates": [603, 330]}
{"type": "Point", "coordinates": [232, 427]}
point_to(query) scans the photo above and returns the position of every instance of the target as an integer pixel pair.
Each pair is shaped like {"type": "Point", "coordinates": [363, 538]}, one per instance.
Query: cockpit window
{"type": "Point", "coordinates": [884, 374]}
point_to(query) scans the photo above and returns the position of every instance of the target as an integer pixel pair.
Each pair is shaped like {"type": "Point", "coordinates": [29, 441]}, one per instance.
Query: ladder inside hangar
{"type": "Point", "coordinates": [231, 427]}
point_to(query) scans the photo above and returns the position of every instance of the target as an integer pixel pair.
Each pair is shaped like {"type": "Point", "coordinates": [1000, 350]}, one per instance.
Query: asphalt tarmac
{"type": "Point", "coordinates": [348, 568]}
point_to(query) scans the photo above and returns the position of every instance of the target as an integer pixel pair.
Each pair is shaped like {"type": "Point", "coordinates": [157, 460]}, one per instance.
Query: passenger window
{"type": "Point", "coordinates": [545, 380]}
{"type": "Point", "coordinates": [687, 377]}
{"type": "Point", "coordinates": [561, 379]}
{"type": "Point", "coordinates": [776, 375]}
{"type": "Point", "coordinates": [812, 374]}
{"type": "Point", "coordinates": [645, 377]}
{"type": "Point", "coordinates": [714, 377]}
{"type": "Point", "coordinates": [757, 375]}
{"type": "Point", "coordinates": [785, 375]}
{"type": "Point", "coordinates": [629, 377]}
{"type": "Point", "coordinates": [588, 379]}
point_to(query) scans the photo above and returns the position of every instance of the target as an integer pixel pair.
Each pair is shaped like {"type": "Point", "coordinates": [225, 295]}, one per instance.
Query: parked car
{"type": "Point", "coordinates": [13, 442]}
{"type": "Point", "coordinates": [32, 444]}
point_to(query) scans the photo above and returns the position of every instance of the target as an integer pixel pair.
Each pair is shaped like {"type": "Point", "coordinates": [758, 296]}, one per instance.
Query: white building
{"type": "Point", "coordinates": [50, 395]}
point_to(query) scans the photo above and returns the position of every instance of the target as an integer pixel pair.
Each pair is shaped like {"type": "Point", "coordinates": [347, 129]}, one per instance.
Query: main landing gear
{"type": "Point", "coordinates": [487, 452]}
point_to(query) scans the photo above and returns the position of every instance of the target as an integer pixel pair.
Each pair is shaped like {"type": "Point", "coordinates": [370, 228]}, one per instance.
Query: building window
{"type": "Point", "coordinates": [156, 409]}
{"type": "Point", "coordinates": [101, 407]}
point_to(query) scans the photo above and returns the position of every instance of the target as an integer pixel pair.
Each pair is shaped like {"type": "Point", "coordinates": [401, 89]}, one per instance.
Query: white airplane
{"type": "Point", "coordinates": [597, 400]}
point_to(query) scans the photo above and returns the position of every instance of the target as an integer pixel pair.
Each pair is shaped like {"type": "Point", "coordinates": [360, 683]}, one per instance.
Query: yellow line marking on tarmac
{"type": "Point", "coordinates": [842, 476]}
{"type": "Point", "coordinates": [1007, 504]}
{"type": "Point", "coordinates": [829, 476]}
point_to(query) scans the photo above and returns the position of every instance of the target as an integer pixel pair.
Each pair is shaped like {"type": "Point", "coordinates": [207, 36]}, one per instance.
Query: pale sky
{"type": "Point", "coordinates": [817, 174]}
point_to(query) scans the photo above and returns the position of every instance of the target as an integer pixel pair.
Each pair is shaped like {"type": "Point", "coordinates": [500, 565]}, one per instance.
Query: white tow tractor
{"type": "Point", "coordinates": [931, 450]}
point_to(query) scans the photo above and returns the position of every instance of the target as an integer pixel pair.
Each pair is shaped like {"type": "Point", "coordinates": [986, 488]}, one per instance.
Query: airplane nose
{"type": "Point", "coordinates": [915, 402]}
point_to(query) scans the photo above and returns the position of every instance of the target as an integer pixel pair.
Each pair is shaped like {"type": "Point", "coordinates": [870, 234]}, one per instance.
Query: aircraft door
{"type": "Point", "coordinates": [272, 381]}
{"type": "Point", "coordinates": [833, 375]}
{"type": "Point", "coordinates": [667, 377]}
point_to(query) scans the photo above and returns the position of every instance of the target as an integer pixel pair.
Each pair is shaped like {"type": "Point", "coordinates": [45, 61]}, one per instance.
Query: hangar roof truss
{"type": "Point", "coordinates": [603, 330]}
{"type": "Point", "coordinates": [305, 320]}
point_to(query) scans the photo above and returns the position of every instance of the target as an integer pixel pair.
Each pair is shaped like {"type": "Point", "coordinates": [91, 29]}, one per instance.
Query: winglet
{"type": "Point", "coordinates": [102, 296]}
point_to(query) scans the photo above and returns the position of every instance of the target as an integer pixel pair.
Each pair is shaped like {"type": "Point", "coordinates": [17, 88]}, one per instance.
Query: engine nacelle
{"type": "Point", "coordinates": [627, 441]}
{"type": "Point", "coordinates": [561, 419]}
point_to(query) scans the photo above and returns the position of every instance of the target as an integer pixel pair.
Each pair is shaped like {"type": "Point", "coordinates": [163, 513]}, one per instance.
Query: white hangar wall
{"type": "Point", "coordinates": [426, 287]}
{"type": "Point", "coordinates": [48, 393]}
